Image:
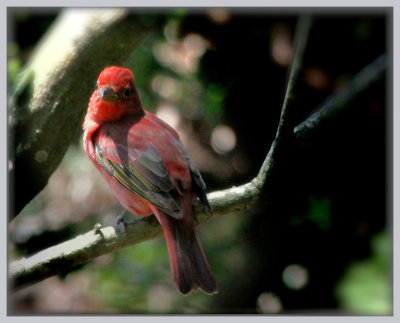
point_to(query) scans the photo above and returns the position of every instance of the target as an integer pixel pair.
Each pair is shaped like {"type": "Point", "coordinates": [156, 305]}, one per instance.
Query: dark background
{"type": "Point", "coordinates": [321, 240]}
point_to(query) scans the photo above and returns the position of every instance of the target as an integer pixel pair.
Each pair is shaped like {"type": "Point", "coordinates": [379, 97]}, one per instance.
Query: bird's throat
{"type": "Point", "coordinates": [103, 112]}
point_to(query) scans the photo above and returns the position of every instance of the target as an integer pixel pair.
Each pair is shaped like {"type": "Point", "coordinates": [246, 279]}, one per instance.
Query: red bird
{"type": "Point", "coordinates": [149, 171]}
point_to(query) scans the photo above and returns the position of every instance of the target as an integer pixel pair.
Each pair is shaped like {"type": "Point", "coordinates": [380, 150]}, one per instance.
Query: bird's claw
{"type": "Point", "coordinates": [121, 222]}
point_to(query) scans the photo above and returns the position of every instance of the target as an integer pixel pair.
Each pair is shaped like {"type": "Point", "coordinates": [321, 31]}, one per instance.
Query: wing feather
{"type": "Point", "coordinates": [199, 185]}
{"type": "Point", "coordinates": [144, 176]}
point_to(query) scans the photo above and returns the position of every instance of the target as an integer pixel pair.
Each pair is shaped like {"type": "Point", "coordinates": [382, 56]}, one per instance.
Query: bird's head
{"type": "Point", "coordinates": [115, 84]}
{"type": "Point", "coordinates": [115, 95]}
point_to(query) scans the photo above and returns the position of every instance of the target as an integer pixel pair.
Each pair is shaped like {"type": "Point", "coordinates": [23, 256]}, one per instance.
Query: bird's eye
{"type": "Point", "coordinates": [128, 91]}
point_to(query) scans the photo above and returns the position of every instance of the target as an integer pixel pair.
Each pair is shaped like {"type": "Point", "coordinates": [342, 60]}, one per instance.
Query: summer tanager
{"type": "Point", "coordinates": [149, 171]}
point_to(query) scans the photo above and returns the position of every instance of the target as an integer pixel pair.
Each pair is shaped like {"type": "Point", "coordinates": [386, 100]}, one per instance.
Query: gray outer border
{"type": "Point", "coordinates": [393, 206]}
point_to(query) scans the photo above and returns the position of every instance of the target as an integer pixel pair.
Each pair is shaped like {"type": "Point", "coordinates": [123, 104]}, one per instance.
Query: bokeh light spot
{"type": "Point", "coordinates": [223, 139]}
{"type": "Point", "coordinates": [182, 56]}
{"type": "Point", "coordinates": [195, 45]}
{"type": "Point", "coordinates": [169, 114]}
{"type": "Point", "coordinates": [317, 78]}
{"type": "Point", "coordinates": [80, 188]}
{"type": "Point", "coordinates": [281, 45]}
{"type": "Point", "coordinates": [269, 303]}
{"type": "Point", "coordinates": [166, 87]}
{"type": "Point", "coordinates": [295, 276]}
{"type": "Point", "coordinates": [219, 16]}
{"type": "Point", "coordinates": [160, 299]}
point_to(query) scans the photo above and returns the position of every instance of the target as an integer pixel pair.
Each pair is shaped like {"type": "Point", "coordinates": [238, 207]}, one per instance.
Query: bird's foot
{"type": "Point", "coordinates": [121, 222]}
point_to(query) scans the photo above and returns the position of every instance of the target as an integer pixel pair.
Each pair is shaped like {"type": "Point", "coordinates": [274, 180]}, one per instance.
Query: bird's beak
{"type": "Point", "coordinates": [108, 94]}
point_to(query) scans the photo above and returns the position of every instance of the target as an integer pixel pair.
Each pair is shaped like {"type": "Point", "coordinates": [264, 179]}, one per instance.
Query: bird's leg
{"type": "Point", "coordinates": [121, 222]}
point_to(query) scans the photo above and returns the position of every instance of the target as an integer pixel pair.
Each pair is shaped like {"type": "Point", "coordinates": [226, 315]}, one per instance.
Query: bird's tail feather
{"type": "Point", "coordinates": [189, 266]}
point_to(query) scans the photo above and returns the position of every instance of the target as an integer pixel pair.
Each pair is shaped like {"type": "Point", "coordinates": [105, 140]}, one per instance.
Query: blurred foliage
{"type": "Point", "coordinates": [307, 248]}
{"type": "Point", "coordinates": [364, 287]}
{"type": "Point", "coordinates": [319, 213]}
{"type": "Point", "coordinates": [14, 62]}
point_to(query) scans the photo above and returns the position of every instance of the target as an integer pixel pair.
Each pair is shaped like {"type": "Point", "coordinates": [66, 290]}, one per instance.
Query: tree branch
{"type": "Point", "coordinates": [286, 123]}
{"type": "Point", "coordinates": [51, 97]}
{"type": "Point", "coordinates": [60, 258]}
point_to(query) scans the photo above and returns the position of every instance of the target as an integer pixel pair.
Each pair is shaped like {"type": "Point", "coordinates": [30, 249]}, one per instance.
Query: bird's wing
{"type": "Point", "coordinates": [143, 173]}
{"type": "Point", "coordinates": [198, 183]}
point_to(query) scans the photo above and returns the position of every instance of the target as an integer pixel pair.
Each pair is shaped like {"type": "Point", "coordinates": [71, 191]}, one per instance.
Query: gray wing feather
{"type": "Point", "coordinates": [151, 166]}
{"type": "Point", "coordinates": [199, 185]}
{"type": "Point", "coordinates": [192, 166]}
{"type": "Point", "coordinates": [146, 177]}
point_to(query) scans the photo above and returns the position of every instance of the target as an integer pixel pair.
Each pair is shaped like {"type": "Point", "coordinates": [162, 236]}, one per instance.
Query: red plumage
{"type": "Point", "coordinates": [149, 171]}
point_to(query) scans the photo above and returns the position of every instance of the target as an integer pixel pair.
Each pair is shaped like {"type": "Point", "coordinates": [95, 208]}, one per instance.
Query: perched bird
{"type": "Point", "coordinates": [149, 171]}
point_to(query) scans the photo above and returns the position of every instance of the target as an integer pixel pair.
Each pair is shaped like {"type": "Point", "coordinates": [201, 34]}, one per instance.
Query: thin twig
{"type": "Point", "coordinates": [285, 126]}
{"type": "Point", "coordinates": [333, 105]}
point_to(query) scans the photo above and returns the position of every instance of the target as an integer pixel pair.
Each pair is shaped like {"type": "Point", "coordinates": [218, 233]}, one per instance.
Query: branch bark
{"type": "Point", "coordinates": [49, 102]}
{"type": "Point", "coordinates": [284, 131]}
{"type": "Point", "coordinates": [60, 258]}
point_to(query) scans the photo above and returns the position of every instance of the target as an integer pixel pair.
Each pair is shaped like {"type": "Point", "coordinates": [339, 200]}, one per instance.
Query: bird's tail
{"type": "Point", "coordinates": [189, 266]}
